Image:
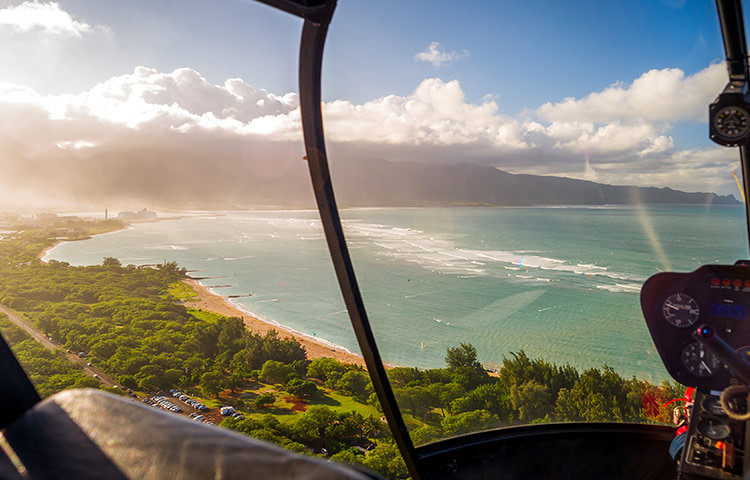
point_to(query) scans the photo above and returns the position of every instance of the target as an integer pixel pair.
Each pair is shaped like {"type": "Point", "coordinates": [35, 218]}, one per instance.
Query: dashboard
{"type": "Point", "coordinates": [692, 318]}
{"type": "Point", "coordinates": [676, 304]}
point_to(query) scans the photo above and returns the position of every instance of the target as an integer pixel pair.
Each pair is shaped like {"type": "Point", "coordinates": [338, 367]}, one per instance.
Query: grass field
{"type": "Point", "coordinates": [287, 407]}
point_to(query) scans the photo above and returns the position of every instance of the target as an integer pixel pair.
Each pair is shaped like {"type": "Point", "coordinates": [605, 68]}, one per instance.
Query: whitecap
{"type": "Point", "coordinates": [621, 288]}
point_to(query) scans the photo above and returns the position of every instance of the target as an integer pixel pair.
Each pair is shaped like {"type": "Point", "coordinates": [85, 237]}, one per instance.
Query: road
{"type": "Point", "coordinates": [37, 335]}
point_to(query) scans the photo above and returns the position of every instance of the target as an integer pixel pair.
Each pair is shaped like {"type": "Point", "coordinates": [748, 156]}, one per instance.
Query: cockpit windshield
{"type": "Point", "coordinates": [508, 175]}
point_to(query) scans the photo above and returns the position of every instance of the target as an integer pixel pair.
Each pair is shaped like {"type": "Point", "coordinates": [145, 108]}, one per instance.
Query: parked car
{"type": "Point", "coordinates": [226, 410]}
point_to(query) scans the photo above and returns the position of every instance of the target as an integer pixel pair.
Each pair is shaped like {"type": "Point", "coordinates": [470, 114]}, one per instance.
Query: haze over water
{"type": "Point", "coordinates": [559, 283]}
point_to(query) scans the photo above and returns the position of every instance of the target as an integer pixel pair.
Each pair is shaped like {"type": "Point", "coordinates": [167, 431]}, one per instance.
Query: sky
{"type": "Point", "coordinates": [614, 92]}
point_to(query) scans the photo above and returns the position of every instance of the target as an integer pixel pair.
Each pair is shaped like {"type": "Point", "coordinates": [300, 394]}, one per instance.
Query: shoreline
{"type": "Point", "coordinates": [208, 300]}
{"type": "Point", "coordinates": [47, 251]}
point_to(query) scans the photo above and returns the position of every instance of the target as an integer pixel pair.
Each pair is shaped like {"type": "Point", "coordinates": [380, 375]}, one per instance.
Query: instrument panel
{"type": "Point", "coordinates": [675, 304]}
{"type": "Point", "coordinates": [715, 444]}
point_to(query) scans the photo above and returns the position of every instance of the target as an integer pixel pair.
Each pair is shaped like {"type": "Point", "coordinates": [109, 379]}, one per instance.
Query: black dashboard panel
{"type": "Point", "coordinates": [676, 304]}
{"type": "Point", "coordinates": [559, 451]}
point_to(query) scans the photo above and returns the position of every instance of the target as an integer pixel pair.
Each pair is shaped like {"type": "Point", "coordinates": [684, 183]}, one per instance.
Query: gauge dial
{"type": "Point", "coordinates": [698, 361]}
{"type": "Point", "coordinates": [680, 310]}
{"type": "Point", "coordinates": [732, 122]}
{"type": "Point", "coordinates": [713, 406]}
{"type": "Point", "coordinates": [714, 429]}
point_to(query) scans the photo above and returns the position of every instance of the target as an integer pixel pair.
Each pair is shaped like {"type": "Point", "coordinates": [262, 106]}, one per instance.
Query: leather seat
{"type": "Point", "coordinates": [86, 434]}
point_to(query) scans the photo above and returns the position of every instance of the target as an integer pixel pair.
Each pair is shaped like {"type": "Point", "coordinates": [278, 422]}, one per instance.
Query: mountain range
{"type": "Point", "coordinates": [229, 180]}
{"type": "Point", "coordinates": [382, 183]}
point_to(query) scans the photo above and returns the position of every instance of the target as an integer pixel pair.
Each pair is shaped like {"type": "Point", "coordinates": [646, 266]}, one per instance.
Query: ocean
{"type": "Point", "coordinates": [559, 283]}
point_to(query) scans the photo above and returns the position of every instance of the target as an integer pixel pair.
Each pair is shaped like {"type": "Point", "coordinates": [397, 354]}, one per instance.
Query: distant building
{"type": "Point", "coordinates": [140, 215]}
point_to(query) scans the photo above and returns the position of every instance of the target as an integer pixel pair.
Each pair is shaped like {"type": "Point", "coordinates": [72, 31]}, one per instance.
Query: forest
{"type": "Point", "coordinates": [131, 322]}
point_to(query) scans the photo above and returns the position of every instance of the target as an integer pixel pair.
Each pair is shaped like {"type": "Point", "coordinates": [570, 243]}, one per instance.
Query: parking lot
{"type": "Point", "coordinates": [181, 403]}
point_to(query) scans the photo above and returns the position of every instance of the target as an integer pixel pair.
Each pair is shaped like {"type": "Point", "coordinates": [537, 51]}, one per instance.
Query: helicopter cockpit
{"type": "Point", "coordinates": [697, 321]}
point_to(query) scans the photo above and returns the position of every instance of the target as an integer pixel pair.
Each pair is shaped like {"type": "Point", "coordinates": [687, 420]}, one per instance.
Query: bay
{"type": "Point", "coordinates": [559, 283]}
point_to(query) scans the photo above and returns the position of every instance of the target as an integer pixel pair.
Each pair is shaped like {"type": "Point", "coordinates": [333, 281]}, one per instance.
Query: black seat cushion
{"type": "Point", "coordinates": [86, 434]}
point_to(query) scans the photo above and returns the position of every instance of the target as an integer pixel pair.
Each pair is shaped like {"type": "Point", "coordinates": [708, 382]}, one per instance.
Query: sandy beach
{"type": "Point", "coordinates": [207, 300]}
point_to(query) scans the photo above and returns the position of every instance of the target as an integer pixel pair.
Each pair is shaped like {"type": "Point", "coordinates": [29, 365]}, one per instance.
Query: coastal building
{"type": "Point", "coordinates": [141, 215]}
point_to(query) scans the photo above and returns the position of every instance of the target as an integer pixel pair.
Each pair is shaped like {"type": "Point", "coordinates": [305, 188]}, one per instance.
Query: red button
{"type": "Point", "coordinates": [737, 282]}
{"type": "Point", "coordinates": [715, 281]}
{"type": "Point", "coordinates": [726, 282]}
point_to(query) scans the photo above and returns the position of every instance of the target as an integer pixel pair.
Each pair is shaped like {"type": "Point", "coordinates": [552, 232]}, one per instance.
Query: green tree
{"type": "Point", "coordinates": [211, 383]}
{"type": "Point", "coordinates": [274, 371]}
{"type": "Point", "coordinates": [264, 400]}
{"type": "Point", "coordinates": [351, 456]}
{"type": "Point", "coordinates": [386, 459]}
{"type": "Point", "coordinates": [231, 337]}
{"type": "Point", "coordinates": [521, 369]}
{"type": "Point", "coordinates": [111, 262]}
{"type": "Point", "coordinates": [206, 339]}
{"type": "Point", "coordinates": [128, 381]}
{"type": "Point", "coordinates": [406, 376]}
{"type": "Point", "coordinates": [286, 350]}
{"type": "Point", "coordinates": [600, 395]}
{"type": "Point", "coordinates": [463, 366]}
{"type": "Point", "coordinates": [300, 387]}
{"type": "Point", "coordinates": [465, 355]}
{"type": "Point", "coordinates": [417, 400]}
{"type": "Point", "coordinates": [325, 369]}
{"type": "Point", "coordinates": [531, 400]}
{"type": "Point", "coordinates": [311, 427]}
{"type": "Point", "coordinates": [468, 422]}
{"type": "Point", "coordinates": [355, 383]}
{"type": "Point", "coordinates": [447, 393]}
{"type": "Point", "coordinates": [490, 396]}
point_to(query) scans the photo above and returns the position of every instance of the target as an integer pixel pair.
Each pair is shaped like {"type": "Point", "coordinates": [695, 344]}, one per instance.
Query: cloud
{"type": "Point", "coordinates": [165, 137]}
{"type": "Point", "coordinates": [42, 18]}
{"type": "Point", "coordinates": [177, 136]}
{"type": "Point", "coordinates": [182, 101]}
{"type": "Point", "coordinates": [436, 56]}
{"type": "Point", "coordinates": [436, 113]}
{"type": "Point", "coordinates": [621, 134]}
{"type": "Point", "coordinates": [656, 96]}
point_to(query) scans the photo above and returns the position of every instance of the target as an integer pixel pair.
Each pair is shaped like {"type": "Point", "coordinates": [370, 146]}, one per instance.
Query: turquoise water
{"type": "Point", "coordinates": [559, 283]}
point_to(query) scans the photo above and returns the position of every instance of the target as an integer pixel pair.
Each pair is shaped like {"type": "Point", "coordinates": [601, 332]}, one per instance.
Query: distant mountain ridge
{"type": "Point", "coordinates": [383, 183]}
{"type": "Point", "coordinates": [235, 181]}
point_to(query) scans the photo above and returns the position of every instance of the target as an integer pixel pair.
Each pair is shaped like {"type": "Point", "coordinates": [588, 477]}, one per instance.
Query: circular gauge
{"type": "Point", "coordinates": [732, 122]}
{"type": "Point", "coordinates": [713, 406]}
{"type": "Point", "coordinates": [680, 310]}
{"type": "Point", "coordinates": [698, 361]}
{"type": "Point", "coordinates": [714, 429]}
{"type": "Point", "coordinates": [734, 401]}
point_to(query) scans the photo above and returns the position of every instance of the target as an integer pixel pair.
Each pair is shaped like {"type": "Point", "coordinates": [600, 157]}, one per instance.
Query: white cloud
{"type": "Point", "coordinates": [656, 96]}
{"type": "Point", "coordinates": [181, 100]}
{"type": "Point", "coordinates": [437, 56]}
{"type": "Point", "coordinates": [181, 114]}
{"type": "Point", "coordinates": [177, 112]}
{"type": "Point", "coordinates": [436, 113]}
{"type": "Point", "coordinates": [705, 169]}
{"type": "Point", "coordinates": [44, 18]}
